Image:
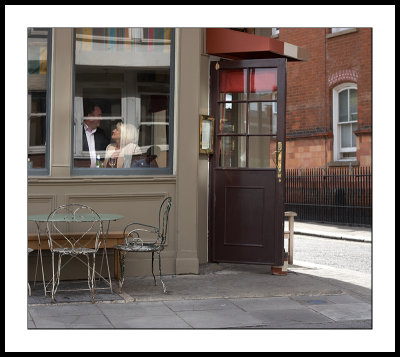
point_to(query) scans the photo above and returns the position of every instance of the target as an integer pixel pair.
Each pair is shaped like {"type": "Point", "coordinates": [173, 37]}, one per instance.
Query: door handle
{"type": "Point", "coordinates": [279, 163]}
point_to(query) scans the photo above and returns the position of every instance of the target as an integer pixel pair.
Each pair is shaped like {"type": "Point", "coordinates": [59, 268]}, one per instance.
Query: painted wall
{"type": "Point", "coordinates": [137, 198]}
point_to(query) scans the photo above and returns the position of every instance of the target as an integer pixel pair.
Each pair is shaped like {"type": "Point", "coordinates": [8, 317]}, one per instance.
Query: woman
{"type": "Point", "coordinates": [125, 137]}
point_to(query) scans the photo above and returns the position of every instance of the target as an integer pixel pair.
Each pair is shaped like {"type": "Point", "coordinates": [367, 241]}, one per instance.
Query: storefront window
{"type": "Point", "coordinates": [122, 104]}
{"type": "Point", "coordinates": [38, 98]}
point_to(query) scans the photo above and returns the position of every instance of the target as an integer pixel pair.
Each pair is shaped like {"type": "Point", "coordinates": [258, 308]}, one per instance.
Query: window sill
{"type": "Point", "coordinates": [344, 163]}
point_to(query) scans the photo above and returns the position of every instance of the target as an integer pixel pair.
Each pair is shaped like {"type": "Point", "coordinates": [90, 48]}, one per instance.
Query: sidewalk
{"type": "Point", "coordinates": [362, 234]}
{"type": "Point", "coordinates": [228, 296]}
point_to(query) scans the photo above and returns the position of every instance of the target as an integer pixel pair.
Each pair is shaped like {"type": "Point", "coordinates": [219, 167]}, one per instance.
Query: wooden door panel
{"type": "Point", "coordinates": [244, 206]}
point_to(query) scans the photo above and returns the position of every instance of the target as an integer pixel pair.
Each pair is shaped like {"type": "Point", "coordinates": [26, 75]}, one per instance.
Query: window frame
{"type": "Point", "coordinates": [337, 148]}
{"type": "Point", "coordinates": [42, 171]}
{"type": "Point", "coordinates": [143, 171]}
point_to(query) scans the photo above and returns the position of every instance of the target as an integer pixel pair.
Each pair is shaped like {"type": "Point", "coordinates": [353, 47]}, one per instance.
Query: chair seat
{"type": "Point", "coordinates": [74, 251]}
{"type": "Point", "coordinates": [139, 248]}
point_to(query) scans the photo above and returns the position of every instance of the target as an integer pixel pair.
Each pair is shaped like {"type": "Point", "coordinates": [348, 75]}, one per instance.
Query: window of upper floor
{"type": "Point", "coordinates": [345, 121]}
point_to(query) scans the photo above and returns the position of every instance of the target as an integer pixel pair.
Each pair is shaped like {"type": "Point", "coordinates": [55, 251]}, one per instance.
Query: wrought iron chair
{"type": "Point", "coordinates": [85, 243]}
{"type": "Point", "coordinates": [29, 287]}
{"type": "Point", "coordinates": [145, 238]}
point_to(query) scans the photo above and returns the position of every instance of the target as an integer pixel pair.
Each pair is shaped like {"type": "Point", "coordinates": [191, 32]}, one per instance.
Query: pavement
{"type": "Point", "coordinates": [226, 296]}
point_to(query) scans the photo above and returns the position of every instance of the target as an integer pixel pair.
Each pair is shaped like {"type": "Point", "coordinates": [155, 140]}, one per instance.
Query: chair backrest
{"type": "Point", "coordinates": [73, 227]}
{"type": "Point", "coordinates": [163, 218]}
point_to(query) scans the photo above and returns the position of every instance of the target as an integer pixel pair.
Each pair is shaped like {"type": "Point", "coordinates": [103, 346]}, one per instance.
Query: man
{"type": "Point", "coordinates": [94, 138]}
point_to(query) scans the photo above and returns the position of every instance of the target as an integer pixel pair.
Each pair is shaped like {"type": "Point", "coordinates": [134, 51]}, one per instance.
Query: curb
{"type": "Point", "coordinates": [338, 237]}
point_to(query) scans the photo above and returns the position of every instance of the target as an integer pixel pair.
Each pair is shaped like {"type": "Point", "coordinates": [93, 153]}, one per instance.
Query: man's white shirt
{"type": "Point", "coordinates": [92, 148]}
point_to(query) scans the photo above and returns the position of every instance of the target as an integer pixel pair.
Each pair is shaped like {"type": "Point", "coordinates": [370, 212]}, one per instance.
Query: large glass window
{"type": "Point", "coordinates": [38, 98]}
{"type": "Point", "coordinates": [345, 121]}
{"type": "Point", "coordinates": [122, 105]}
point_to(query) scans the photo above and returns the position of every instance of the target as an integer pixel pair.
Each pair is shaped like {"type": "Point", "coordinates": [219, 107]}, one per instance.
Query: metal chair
{"type": "Point", "coordinates": [84, 243]}
{"type": "Point", "coordinates": [29, 287]}
{"type": "Point", "coordinates": [145, 238]}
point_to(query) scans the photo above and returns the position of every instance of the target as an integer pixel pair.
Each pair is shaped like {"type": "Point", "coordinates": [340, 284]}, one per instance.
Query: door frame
{"type": "Point", "coordinates": [280, 64]}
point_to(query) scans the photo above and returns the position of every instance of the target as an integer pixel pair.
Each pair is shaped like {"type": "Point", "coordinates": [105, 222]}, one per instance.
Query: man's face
{"type": "Point", "coordinates": [94, 123]}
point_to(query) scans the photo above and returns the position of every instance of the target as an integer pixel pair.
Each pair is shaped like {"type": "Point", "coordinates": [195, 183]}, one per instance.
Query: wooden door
{"type": "Point", "coordinates": [248, 100]}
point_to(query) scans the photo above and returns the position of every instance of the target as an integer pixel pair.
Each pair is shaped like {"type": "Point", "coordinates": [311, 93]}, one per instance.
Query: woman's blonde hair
{"type": "Point", "coordinates": [129, 134]}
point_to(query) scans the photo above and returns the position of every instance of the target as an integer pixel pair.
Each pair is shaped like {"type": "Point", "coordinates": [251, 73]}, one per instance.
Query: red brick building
{"type": "Point", "coordinates": [329, 98]}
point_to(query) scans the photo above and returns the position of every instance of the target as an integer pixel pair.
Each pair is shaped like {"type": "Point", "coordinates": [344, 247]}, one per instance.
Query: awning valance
{"type": "Point", "coordinates": [238, 45]}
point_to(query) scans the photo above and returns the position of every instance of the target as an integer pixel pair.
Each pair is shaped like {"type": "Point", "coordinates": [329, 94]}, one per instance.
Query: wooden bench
{"type": "Point", "coordinates": [113, 239]}
{"type": "Point", "coordinates": [289, 234]}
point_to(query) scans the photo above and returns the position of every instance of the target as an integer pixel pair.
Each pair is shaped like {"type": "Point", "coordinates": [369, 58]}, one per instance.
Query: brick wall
{"type": "Point", "coordinates": [332, 60]}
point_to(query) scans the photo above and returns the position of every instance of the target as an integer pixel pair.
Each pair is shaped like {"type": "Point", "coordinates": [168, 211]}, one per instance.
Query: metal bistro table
{"type": "Point", "coordinates": [43, 218]}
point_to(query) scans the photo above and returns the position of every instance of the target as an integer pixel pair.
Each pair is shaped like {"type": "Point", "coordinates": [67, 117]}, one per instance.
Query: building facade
{"type": "Point", "coordinates": [151, 85]}
{"type": "Point", "coordinates": [329, 98]}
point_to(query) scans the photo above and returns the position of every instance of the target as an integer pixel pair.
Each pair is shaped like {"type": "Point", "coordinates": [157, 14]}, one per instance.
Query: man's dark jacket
{"type": "Point", "coordinates": [100, 140]}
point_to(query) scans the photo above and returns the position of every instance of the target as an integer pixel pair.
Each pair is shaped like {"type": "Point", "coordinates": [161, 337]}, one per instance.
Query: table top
{"type": "Point", "coordinates": [74, 218]}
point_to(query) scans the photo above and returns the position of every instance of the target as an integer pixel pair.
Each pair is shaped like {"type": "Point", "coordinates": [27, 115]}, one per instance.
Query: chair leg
{"type": "Point", "coordinates": [29, 290]}
{"type": "Point", "coordinates": [91, 279]}
{"type": "Point", "coordinates": [121, 258]}
{"type": "Point", "coordinates": [56, 278]}
{"type": "Point", "coordinates": [159, 267]}
{"type": "Point", "coordinates": [152, 267]}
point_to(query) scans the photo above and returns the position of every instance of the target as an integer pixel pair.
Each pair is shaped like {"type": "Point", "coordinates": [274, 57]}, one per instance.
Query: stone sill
{"type": "Point", "coordinates": [344, 163]}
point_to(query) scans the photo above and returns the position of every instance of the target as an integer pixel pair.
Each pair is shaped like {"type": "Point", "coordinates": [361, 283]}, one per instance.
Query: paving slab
{"type": "Point", "coordinates": [148, 322]}
{"type": "Point", "coordinates": [219, 319]}
{"type": "Point", "coordinates": [345, 312]}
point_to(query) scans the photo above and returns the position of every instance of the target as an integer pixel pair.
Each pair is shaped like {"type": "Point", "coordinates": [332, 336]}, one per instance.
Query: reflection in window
{"type": "Point", "coordinates": [38, 93]}
{"type": "Point", "coordinates": [125, 73]}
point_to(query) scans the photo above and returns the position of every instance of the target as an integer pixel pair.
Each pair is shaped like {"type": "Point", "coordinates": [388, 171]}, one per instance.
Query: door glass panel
{"type": "Point", "coordinates": [232, 118]}
{"type": "Point", "coordinates": [263, 84]}
{"type": "Point", "coordinates": [260, 151]}
{"type": "Point", "coordinates": [233, 84]}
{"type": "Point", "coordinates": [232, 151]}
{"type": "Point", "coordinates": [262, 118]}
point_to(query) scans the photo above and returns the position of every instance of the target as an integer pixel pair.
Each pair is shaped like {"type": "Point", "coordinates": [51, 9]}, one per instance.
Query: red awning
{"type": "Point", "coordinates": [238, 45]}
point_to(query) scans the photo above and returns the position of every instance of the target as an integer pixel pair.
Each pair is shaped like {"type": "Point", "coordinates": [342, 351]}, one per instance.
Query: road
{"type": "Point", "coordinates": [334, 253]}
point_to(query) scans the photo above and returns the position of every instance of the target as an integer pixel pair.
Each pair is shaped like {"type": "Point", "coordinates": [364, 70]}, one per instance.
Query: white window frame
{"type": "Point", "coordinates": [337, 149]}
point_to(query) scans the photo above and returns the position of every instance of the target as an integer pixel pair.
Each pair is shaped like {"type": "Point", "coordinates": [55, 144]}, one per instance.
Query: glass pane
{"type": "Point", "coordinates": [38, 102]}
{"type": "Point", "coordinates": [122, 79]}
{"type": "Point", "coordinates": [37, 59]}
{"type": "Point", "coordinates": [232, 151]}
{"type": "Point", "coordinates": [226, 97]}
{"type": "Point", "coordinates": [345, 132]}
{"type": "Point", "coordinates": [140, 47]}
{"type": "Point", "coordinates": [262, 118]}
{"type": "Point", "coordinates": [108, 98]}
{"type": "Point", "coordinates": [37, 132]}
{"type": "Point", "coordinates": [260, 151]}
{"type": "Point", "coordinates": [232, 118]}
{"type": "Point", "coordinates": [263, 84]}
{"type": "Point", "coordinates": [233, 84]}
{"type": "Point", "coordinates": [353, 104]}
{"type": "Point", "coordinates": [343, 106]}
{"type": "Point", "coordinates": [353, 136]}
